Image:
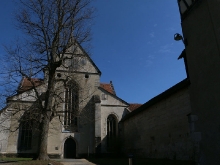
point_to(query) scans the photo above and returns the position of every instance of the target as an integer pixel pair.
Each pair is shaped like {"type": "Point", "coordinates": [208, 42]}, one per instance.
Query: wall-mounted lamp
{"type": "Point", "coordinates": [178, 37]}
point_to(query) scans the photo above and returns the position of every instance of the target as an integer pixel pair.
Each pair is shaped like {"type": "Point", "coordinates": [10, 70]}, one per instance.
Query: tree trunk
{"type": "Point", "coordinates": [47, 111]}
{"type": "Point", "coordinates": [43, 138]}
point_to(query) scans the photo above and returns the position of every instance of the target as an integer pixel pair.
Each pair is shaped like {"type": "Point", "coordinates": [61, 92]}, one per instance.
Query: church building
{"type": "Point", "coordinates": [86, 113]}
{"type": "Point", "coordinates": [180, 123]}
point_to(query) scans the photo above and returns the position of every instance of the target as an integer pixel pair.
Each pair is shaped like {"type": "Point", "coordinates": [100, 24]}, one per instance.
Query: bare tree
{"type": "Point", "coordinates": [52, 28]}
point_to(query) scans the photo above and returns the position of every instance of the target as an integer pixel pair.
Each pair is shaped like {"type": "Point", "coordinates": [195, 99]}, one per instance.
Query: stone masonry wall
{"type": "Point", "coordinates": [162, 130]}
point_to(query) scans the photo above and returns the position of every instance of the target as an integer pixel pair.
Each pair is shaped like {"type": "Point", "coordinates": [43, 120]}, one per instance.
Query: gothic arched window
{"type": "Point", "coordinates": [71, 106]}
{"type": "Point", "coordinates": [112, 127]}
{"type": "Point", "coordinates": [25, 136]}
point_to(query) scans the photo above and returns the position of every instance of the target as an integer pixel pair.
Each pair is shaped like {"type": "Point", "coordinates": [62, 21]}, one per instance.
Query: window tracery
{"type": "Point", "coordinates": [25, 135]}
{"type": "Point", "coordinates": [71, 106]}
{"type": "Point", "coordinates": [111, 131]}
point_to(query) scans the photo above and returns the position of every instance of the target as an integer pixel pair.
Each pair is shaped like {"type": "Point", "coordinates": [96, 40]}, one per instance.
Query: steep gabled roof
{"type": "Point", "coordinates": [27, 84]}
{"type": "Point", "coordinates": [108, 87]}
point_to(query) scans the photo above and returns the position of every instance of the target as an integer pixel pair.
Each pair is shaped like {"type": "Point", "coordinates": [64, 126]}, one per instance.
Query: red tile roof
{"type": "Point", "coordinates": [27, 84]}
{"type": "Point", "coordinates": [108, 87]}
{"type": "Point", "coordinates": [134, 106]}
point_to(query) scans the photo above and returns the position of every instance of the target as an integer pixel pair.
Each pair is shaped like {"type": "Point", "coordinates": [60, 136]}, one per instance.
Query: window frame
{"type": "Point", "coordinates": [112, 128]}
{"type": "Point", "coordinates": [25, 135]}
{"type": "Point", "coordinates": [71, 107]}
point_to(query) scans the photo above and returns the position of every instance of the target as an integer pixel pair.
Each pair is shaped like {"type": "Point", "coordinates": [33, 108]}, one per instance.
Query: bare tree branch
{"type": "Point", "coordinates": [52, 28]}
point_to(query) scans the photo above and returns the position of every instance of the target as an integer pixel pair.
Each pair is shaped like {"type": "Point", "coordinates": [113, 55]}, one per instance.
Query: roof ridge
{"type": "Point", "coordinates": [113, 89]}
{"type": "Point", "coordinates": [108, 87]}
{"type": "Point", "coordinates": [103, 83]}
{"type": "Point", "coordinates": [135, 103]}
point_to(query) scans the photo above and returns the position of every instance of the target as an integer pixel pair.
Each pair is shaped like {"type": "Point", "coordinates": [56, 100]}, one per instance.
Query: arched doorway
{"type": "Point", "coordinates": [70, 148]}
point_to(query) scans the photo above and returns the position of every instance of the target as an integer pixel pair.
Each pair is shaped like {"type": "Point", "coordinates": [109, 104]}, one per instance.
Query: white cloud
{"type": "Point", "coordinates": [152, 34]}
{"type": "Point", "coordinates": [166, 48]}
{"type": "Point", "coordinates": [149, 60]}
{"type": "Point", "coordinates": [151, 57]}
{"type": "Point", "coordinates": [171, 29]}
{"type": "Point", "coordinates": [148, 63]}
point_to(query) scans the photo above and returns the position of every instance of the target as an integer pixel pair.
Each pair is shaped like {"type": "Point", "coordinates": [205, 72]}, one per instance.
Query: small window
{"type": "Point", "coordinates": [97, 83]}
{"type": "Point", "coordinates": [104, 96]}
{"type": "Point", "coordinates": [67, 62]}
{"type": "Point", "coordinates": [75, 63]}
{"type": "Point", "coordinates": [72, 63]}
{"type": "Point", "coordinates": [83, 61]}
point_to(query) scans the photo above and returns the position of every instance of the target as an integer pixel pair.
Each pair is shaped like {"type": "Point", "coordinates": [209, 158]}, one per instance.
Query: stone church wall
{"type": "Point", "coordinates": [84, 136]}
{"type": "Point", "coordinates": [161, 130]}
{"type": "Point", "coordinates": [4, 133]}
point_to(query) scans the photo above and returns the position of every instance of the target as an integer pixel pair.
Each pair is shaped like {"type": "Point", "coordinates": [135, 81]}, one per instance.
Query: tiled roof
{"type": "Point", "coordinates": [108, 87]}
{"type": "Point", "coordinates": [134, 106]}
{"type": "Point", "coordinates": [27, 84]}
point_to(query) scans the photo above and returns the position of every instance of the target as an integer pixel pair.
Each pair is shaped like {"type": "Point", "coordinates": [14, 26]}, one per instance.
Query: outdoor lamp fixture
{"type": "Point", "coordinates": [178, 37]}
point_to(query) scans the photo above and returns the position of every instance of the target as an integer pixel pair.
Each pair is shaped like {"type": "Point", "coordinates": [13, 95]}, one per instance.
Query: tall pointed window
{"type": "Point", "coordinates": [112, 126]}
{"type": "Point", "coordinates": [25, 135]}
{"type": "Point", "coordinates": [71, 106]}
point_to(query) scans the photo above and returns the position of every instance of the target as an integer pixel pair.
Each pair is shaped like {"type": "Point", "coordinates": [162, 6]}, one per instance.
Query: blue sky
{"type": "Point", "coordinates": [132, 45]}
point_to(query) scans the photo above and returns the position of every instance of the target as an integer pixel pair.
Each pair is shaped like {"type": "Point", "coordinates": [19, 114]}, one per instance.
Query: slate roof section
{"type": "Point", "coordinates": [134, 106]}
{"type": "Point", "coordinates": [183, 84]}
{"type": "Point", "coordinates": [28, 84]}
{"type": "Point", "coordinates": [108, 87]}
